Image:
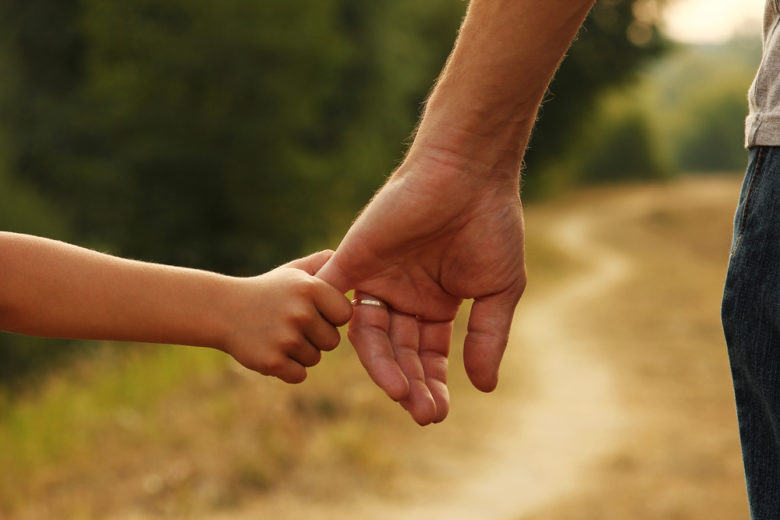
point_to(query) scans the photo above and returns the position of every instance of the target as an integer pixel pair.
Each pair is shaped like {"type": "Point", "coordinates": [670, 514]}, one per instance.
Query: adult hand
{"type": "Point", "coordinates": [448, 225]}
{"type": "Point", "coordinates": [433, 236]}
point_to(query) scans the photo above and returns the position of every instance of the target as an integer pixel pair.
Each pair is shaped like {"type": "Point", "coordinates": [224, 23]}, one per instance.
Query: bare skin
{"type": "Point", "coordinates": [448, 224]}
{"type": "Point", "coordinates": [276, 323]}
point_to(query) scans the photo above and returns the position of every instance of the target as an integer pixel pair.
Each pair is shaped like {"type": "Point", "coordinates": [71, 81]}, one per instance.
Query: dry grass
{"type": "Point", "coordinates": [175, 432]}
{"type": "Point", "coordinates": [179, 433]}
{"type": "Point", "coordinates": [116, 435]}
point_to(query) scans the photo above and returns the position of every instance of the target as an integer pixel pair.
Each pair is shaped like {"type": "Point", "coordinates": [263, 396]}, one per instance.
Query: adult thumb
{"type": "Point", "coordinates": [487, 337]}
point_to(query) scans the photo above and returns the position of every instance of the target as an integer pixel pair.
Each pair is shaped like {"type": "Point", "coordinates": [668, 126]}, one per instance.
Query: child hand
{"type": "Point", "coordinates": [283, 319]}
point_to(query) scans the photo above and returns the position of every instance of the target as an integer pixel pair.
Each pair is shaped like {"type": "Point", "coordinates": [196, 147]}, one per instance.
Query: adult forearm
{"type": "Point", "coordinates": [48, 288]}
{"type": "Point", "coordinates": [484, 105]}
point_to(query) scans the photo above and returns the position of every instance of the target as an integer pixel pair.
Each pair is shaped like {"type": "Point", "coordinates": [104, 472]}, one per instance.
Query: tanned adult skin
{"type": "Point", "coordinates": [448, 224]}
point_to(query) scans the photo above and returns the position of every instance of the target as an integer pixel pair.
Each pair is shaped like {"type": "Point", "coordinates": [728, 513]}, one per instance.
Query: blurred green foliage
{"type": "Point", "coordinates": [617, 41]}
{"type": "Point", "coordinates": [235, 135]}
{"type": "Point", "coordinates": [712, 139]}
{"type": "Point", "coordinates": [228, 135]}
{"type": "Point", "coordinates": [683, 114]}
{"type": "Point", "coordinates": [701, 97]}
{"type": "Point", "coordinates": [215, 134]}
{"type": "Point", "coordinates": [24, 210]}
{"type": "Point", "coordinates": [621, 146]}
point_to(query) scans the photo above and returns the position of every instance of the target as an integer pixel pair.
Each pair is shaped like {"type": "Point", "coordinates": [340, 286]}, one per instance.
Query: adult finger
{"type": "Point", "coordinates": [405, 338]}
{"type": "Point", "coordinates": [368, 332]}
{"type": "Point", "coordinates": [312, 263]}
{"type": "Point", "coordinates": [488, 333]}
{"type": "Point", "coordinates": [435, 340]}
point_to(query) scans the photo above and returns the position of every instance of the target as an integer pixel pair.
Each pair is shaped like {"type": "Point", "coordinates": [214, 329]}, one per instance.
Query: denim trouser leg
{"type": "Point", "coordinates": [751, 321]}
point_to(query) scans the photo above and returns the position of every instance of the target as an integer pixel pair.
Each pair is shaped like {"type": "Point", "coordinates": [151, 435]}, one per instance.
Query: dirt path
{"type": "Point", "coordinates": [590, 417]}
{"type": "Point", "coordinates": [532, 457]}
{"type": "Point", "coordinates": [553, 435]}
{"type": "Point", "coordinates": [615, 402]}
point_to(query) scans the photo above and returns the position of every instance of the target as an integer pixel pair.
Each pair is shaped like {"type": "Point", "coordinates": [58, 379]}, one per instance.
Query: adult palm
{"type": "Point", "coordinates": [432, 237]}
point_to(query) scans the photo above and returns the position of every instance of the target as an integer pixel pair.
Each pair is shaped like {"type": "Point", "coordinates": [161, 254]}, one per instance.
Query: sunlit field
{"type": "Point", "coordinates": [235, 136]}
{"type": "Point", "coordinates": [615, 401]}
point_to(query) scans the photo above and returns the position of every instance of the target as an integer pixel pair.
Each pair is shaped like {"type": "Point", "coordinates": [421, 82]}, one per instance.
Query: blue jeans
{"type": "Point", "coordinates": [751, 322]}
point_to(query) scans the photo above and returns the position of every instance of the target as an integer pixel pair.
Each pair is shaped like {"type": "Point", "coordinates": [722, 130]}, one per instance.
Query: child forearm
{"type": "Point", "coordinates": [49, 288]}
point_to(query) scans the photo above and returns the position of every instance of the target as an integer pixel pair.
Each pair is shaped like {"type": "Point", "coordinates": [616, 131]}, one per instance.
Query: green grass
{"type": "Point", "coordinates": [177, 431]}
{"type": "Point", "coordinates": [66, 415]}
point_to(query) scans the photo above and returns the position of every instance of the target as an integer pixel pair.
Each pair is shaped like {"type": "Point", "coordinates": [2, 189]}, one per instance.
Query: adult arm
{"type": "Point", "coordinates": [448, 224]}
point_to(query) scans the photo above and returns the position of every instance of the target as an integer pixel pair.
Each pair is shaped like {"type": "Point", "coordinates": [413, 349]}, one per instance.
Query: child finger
{"type": "Point", "coordinates": [306, 354]}
{"type": "Point", "coordinates": [322, 334]}
{"type": "Point", "coordinates": [291, 372]}
{"type": "Point", "coordinates": [333, 305]}
{"type": "Point", "coordinates": [312, 263]}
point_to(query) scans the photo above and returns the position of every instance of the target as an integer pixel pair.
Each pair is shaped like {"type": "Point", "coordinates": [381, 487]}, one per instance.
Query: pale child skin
{"type": "Point", "coordinates": [277, 323]}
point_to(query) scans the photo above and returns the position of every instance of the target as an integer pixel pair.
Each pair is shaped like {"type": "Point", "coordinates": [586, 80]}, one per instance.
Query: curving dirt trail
{"type": "Point", "coordinates": [541, 447]}
{"type": "Point", "coordinates": [551, 437]}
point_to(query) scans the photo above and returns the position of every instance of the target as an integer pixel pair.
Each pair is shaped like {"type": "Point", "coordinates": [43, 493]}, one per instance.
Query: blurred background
{"type": "Point", "coordinates": [235, 135]}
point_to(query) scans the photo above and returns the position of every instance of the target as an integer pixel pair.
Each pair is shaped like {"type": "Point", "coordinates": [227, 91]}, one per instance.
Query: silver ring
{"type": "Point", "coordinates": [370, 300]}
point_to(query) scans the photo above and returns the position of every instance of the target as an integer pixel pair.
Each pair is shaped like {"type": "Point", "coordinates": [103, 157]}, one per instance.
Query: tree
{"type": "Point", "coordinates": [713, 138]}
{"type": "Point", "coordinates": [217, 134]}
{"type": "Point", "coordinates": [617, 39]}
{"type": "Point", "coordinates": [234, 135]}
{"type": "Point", "coordinates": [231, 135]}
{"type": "Point", "coordinates": [622, 147]}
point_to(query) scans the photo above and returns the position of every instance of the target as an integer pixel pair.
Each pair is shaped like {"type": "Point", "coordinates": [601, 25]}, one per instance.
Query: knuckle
{"type": "Point", "coordinates": [307, 284]}
{"type": "Point", "coordinates": [288, 342]}
{"type": "Point", "coordinates": [299, 315]}
{"type": "Point", "coordinates": [271, 365]}
{"type": "Point", "coordinates": [259, 366]}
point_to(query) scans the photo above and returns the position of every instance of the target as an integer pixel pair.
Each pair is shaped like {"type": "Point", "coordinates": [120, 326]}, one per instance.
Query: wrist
{"type": "Point", "coordinates": [489, 157]}
{"type": "Point", "coordinates": [456, 157]}
{"type": "Point", "coordinates": [484, 141]}
{"type": "Point", "coordinates": [222, 308]}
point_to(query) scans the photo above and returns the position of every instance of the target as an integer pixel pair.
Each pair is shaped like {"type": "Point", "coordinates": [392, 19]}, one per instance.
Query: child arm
{"type": "Point", "coordinates": [49, 288]}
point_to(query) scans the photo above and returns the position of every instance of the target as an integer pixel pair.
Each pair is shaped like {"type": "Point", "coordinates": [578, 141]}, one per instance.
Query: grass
{"type": "Point", "coordinates": [176, 431]}
{"type": "Point", "coordinates": [157, 431]}
{"type": "Point", "coordinates": [60, 422]}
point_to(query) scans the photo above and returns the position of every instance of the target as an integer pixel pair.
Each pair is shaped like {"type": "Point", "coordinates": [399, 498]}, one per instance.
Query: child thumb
{"type": "Point", "coordinates": [312, 263]}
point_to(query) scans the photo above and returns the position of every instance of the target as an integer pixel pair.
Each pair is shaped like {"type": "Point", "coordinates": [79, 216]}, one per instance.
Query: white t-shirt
{"type": "Point", "coordinates": [762, 127]}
